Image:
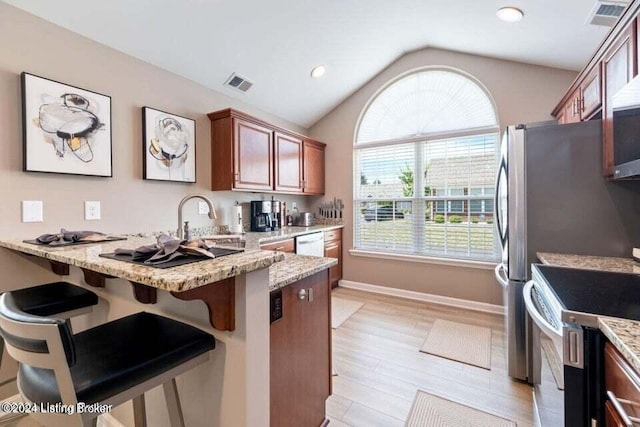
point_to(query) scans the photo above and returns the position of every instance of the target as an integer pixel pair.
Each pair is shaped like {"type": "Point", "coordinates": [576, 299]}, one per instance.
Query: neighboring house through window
{"type": "Point", "coordinates": [425, 153]}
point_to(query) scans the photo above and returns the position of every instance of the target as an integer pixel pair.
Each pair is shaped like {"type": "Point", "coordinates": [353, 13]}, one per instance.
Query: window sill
{"type": "Point", "coordinates": [482, 265]}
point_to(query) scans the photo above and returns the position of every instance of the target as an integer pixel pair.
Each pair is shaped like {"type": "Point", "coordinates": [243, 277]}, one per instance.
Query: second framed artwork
{"type": "Point", "coordinates": [169, 146]}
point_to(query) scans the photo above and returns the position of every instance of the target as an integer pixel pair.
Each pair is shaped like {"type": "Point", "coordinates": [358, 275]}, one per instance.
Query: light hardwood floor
{"type": "Point", "coordinates": [376, 356]}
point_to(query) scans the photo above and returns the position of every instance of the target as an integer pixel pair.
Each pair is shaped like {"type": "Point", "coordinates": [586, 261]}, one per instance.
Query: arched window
{"type": "Point", "coordinates": [426, 151]}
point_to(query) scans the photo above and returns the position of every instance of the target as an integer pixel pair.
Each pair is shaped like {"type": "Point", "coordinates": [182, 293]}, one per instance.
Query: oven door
{"type": "Point", "coordinates": [546, 359]}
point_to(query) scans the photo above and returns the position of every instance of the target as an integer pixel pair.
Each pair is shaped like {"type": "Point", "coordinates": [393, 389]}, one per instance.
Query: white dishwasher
{"type": "Point", "coordinates": [310, 244]}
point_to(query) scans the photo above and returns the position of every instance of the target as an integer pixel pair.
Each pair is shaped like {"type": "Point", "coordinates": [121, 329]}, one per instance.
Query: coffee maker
{"type": "Point", "coordinates": [265, 215]}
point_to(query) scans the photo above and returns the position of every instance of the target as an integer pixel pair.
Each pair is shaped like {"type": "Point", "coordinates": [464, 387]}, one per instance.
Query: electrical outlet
{"type": "Point", "coordinates": [32, 211]}
{"type": "Point", "coordinates": [91, 210]}
{"type": "Point", "coordinates": [294, 206]}
{"type": "Point", "coordinates": [203, 208]}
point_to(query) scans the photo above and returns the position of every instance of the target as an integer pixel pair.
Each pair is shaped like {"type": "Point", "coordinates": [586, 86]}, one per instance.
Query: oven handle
{"type": "Point", "coordinates": [501, 275]}
{"type": "Point", "coordinates": [542, 323]}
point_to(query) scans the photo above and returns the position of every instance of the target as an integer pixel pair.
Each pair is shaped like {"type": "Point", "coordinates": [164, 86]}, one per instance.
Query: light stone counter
{"type": "Point", "coordinates": [589, 262]}
{"type": "Point", "coordinates": [176, 279]}
{"type": "Point", "coordinates": [624, 334]}
{"type": "Point", "coordinates": [296, 267]}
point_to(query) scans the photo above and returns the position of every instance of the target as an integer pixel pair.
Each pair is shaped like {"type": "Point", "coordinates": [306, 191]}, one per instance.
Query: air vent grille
{"type": "Point", "coordinates": [238, 82]}
{"type": "Point", "coordinates": [606, 13]}
{"type": "Point", "coordinates": [610, 10]}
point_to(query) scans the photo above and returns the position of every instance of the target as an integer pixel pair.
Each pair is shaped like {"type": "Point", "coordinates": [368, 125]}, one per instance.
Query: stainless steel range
{"type": "Point", "coordinates": [564, 305]}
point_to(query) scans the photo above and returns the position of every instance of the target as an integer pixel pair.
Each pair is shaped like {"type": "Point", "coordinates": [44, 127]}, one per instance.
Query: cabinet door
{"type": "Point", "coordinates": [287, 246]}
{"type": "Point", "coordinates": [618, 67]}
{"type": "Point", "coordinates": [571, 112]}
{"type": "Point", "coordinates": [252, 156]}
{"type": "Point", "coordinates": [611, 417]}
{"type": "Point", "coordinates": [288, 165]}
{"type": "Point", "coordinates": [590, 94]}
{"type": "Point", "coordinates": [301, 354]}
{"type": "Point", "coordinates": [334, 250]}
{"type": "Point", "coordinates": [313, 167]}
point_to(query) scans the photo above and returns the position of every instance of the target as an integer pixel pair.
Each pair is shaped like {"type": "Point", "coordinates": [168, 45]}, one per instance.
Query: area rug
{"type": "Point", "coordinates": [342, 309]}
{"type": "Point", "coordinates": [460, 342]}
{"type": "Point", "coordinates": [429, 410]}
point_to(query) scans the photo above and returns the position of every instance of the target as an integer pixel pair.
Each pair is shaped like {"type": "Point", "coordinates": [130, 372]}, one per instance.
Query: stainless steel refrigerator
{"type": "Point", "coordinates": [551, 197]}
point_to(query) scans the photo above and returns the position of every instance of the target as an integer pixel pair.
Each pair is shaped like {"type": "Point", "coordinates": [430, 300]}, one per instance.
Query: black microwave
{"type": "Point", "coordinates": [626, 131]}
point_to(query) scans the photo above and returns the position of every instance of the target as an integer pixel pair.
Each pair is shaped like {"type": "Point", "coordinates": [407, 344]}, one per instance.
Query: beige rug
{"type": "Point", "coordinates": [433, 411]}
{"type": "Point", "coordinates": [460, 342]}
{"type": "Point", "coordinates": [342, 309]}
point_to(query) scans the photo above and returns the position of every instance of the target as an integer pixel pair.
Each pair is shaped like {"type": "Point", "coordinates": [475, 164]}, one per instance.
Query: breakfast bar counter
{"type": "Point", "coordinates": [235, 290]}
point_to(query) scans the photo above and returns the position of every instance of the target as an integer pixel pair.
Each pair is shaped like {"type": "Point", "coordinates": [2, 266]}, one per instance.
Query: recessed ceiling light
{"type": "Point", "coordinates": [318, 71]}
{"type": "Point", "coordinates": [510, 14]}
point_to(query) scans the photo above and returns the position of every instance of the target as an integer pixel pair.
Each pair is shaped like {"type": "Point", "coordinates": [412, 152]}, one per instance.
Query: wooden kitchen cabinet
{"type": "Point", "coordinates": [286, 245]}
{"type": "Point", "coordinates": [590, 94]}
{"type": "Point", "coordinates": [314, 166]}
{"type": "Point", "coordinates": [333, 249]}
{"type": "Point", "coordinates": [288, 163]}
{"type": "Point", "coordinates": [623, 381]}
{"type": "Point", "coordinates": [248, 154]}
{"type": "Point", "coordinates": [300, 354]}
{"type": "Point", "coordinates": [570, 111]}
{"type": "Point", "coordinates": [618, 68]}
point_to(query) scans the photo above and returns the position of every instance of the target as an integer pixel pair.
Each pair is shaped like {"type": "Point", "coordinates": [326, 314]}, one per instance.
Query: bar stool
{"type": "Point", "coordinates": [61, 299]}
{"type": "Point", "coordinates": [105, 365]}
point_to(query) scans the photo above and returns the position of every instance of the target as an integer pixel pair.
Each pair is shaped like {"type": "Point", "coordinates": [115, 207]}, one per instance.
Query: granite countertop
{"type": "Point", "coordinates": [295, 267]}
{"type": "Point", "coordinates": [589, 262]}
{"type": "Point", "coordinates": [624, 334]}
{"type": "Point", "coordinates": [175, 279]}
{"type": "Point", "coordinates": [254, 239]}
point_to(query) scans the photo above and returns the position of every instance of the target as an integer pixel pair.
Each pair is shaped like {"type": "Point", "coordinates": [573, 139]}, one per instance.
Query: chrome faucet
{"type": "Point", "coordinates": [212, 212]}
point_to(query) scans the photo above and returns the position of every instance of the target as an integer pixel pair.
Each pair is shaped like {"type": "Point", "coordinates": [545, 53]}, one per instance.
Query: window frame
{"type": "Point", "coordinates": [418, 198]}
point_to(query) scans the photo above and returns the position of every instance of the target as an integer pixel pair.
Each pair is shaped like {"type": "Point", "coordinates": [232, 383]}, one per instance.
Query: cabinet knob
{"type": "Point", "coordinates": [302, 294]}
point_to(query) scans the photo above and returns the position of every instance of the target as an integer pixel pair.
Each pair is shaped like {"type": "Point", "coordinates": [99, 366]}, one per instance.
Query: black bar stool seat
{"type": "Point", "coordinates": [53, 299]}
{"type": "Point", "coordinates": [117, 356]}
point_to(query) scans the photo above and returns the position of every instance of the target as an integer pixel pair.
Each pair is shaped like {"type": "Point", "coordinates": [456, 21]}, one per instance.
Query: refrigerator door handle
{"type": "Point", "coordinates": [503, 235]}
{"type": "Point", "coordinates": [501, 275]}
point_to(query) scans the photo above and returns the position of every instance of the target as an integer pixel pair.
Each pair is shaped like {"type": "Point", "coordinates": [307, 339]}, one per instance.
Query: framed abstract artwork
{"type": "Point", "coordinates": [169, 146]}
{"type": "Point", "coordinates": [66, 129]}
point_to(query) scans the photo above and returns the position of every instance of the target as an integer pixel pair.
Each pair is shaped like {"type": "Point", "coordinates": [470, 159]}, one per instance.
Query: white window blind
{"type": "Point", "coordinates": [430, 196]}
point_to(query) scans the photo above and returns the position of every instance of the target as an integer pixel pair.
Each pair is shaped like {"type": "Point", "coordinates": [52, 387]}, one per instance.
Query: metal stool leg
{"type": "Point", "coordinates": [139, 412]}
{"type": "Point", "coordinates": [173, 403]}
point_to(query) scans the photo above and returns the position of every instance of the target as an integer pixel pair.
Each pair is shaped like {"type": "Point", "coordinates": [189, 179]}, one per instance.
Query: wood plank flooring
{"type": "Point", "coordinates": [380, 368]}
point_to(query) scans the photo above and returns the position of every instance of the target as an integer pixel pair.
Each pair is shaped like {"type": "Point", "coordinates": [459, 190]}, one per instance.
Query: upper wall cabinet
{"type": "Point", "coordinates": [612, 66]}
{"type": "Point", "coordinates": [248, 154]}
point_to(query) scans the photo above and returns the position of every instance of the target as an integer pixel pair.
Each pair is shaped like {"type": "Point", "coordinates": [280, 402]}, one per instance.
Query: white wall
{"type": "Point", "coordinates": [522, 92]}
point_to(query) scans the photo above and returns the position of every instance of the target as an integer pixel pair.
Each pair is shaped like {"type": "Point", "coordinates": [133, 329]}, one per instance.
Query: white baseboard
{"type": "Point", "coordinates": [424, 297]}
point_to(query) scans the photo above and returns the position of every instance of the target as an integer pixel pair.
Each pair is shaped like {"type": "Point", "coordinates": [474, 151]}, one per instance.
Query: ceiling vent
{"type": "Point", "coordinates": [238, 82]}
{"type": "Point", "coordinates": [606, 12]}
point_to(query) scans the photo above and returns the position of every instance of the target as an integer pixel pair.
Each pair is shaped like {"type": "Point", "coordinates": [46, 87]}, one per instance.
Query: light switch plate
{"type": "Point", "coordinates": [32, 211]}
{"type": "Point", "coordinates": [91, 210]}
{"type": "Point", "coordinates": [203, 208]}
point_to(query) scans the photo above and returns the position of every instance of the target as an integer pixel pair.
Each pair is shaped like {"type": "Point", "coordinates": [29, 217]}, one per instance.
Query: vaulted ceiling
{"type": "Point", "coordinates": [276, 43]}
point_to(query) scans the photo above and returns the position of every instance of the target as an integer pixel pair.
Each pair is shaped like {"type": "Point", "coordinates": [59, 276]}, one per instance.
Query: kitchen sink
{"type": "Point", "coordinates": [227, 240]}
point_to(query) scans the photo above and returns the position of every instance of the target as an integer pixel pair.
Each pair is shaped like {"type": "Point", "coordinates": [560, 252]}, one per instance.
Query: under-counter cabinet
{"type": "Point", "coordinates": [622, 385]}
{"type": "Point", "coordinates": [333, 249]}
{"type": "Point", "coordinates": [286, 245]}
{"type": "Point", "coordinates": [248, 154]}
{"type": "Point", "coordinates": [301, 354]}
